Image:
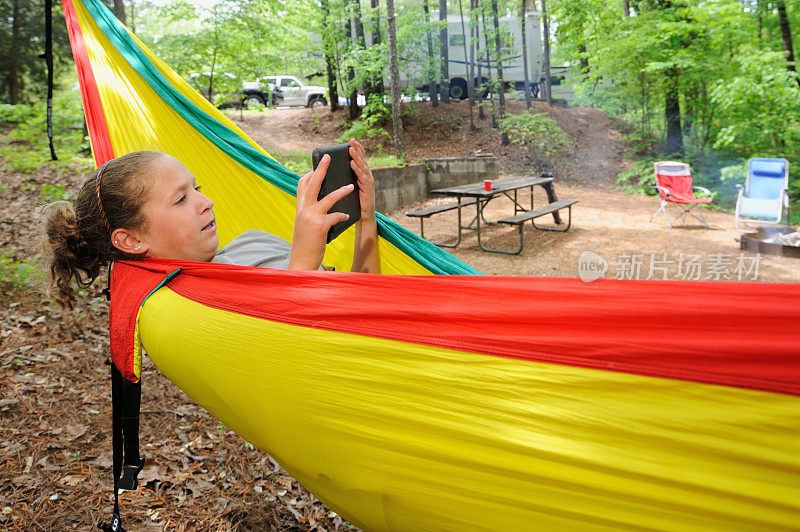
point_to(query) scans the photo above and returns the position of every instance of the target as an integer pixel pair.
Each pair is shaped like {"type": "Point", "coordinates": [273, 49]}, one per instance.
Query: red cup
{"type": "Point", "coordinates": [487, 184]}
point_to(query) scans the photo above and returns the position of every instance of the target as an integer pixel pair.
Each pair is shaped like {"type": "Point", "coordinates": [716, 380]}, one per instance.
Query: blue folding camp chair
{"type": "Point", "coordinates": [764, 195]}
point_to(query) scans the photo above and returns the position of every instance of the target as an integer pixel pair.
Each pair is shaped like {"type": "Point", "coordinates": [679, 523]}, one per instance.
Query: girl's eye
{"type": "Point", "coordinates": [182, 199]}
{"type": "Point", "coordinates": [198, 188]}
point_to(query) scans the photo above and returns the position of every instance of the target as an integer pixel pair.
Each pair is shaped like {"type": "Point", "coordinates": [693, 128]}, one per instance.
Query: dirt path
{"type": "Point", "coordinates": [596, 157]}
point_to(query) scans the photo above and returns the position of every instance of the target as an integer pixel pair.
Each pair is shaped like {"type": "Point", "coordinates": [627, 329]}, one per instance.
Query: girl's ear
{"type": "Point", "coordinates": [128, 242]}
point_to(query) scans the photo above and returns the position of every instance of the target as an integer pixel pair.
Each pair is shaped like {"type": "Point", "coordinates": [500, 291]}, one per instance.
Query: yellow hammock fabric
{"type": "Point", "coordinates": [418, 402]}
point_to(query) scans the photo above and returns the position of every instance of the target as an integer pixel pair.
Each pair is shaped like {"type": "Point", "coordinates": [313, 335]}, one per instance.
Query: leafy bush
{"type": "Point", "coordinates": [20, 275]}
{"type": "Point", "coordinates": [384, 160]}
{"type": "Point", "coordinates": [298, 162]}
{"type": "Point", "coordinates": [639, 178]}
{"type": "Point", "coordinates": [758, 106]}
{"type": "Point", "coordinates": [24, 146]}
{"type": "Point", "coordinates": [375, 115]}
{"type": "Point", "coordinates": [55, 192]}
{"type": "Point", "coordinates": [542, 135]}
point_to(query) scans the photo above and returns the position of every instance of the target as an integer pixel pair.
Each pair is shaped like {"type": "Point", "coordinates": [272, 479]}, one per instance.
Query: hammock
{"type": "Point", "coordinates": [448, 402]}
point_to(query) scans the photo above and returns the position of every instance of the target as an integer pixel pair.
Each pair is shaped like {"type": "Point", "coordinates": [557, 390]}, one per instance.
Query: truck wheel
{"type": "Point", "coordinates": [317, 102]}
{"type": "Point", "coordinates": [252, 101]}
{"type": "Point", "coordinates": [458, 89]}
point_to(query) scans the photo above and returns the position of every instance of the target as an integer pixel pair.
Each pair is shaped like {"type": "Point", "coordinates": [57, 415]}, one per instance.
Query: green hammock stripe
{"type": "Point", "coordinates": [422, 251]}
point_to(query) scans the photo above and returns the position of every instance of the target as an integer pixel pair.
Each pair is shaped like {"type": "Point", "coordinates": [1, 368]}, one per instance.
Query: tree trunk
{"type": "Point", "coordinates": [377, 82]}
{"type": "Point", "coordinates": [12, 78]}
{"type": "Point", "coordinates": [394, 73]}
{"type": "Point", "coordinates": [672, 113]}
{"type": "Point", "coordinates": [477, 54]}
{"type": "Point", "coordinates": [499, 69]}
{"type": "Point", "coordinates": [546, 58]}
{"type": "Point", "coordinates": [210, 92]}
{"type": "Point", "coordinates": [443, 45]}
{"type": "Point", "coordinates": [473, 35]}
{"type": "Point", "coordinates": [626, 9]}
{"type": "Point", "coordinates": [333, 94]}
{"type": "Point", "coordinates": [489, 72]}
{"type": "Point", "coordinates": [470, 78]}
{"type": "Point", "coordinates": [759, 19]}
{"type": "Point", "coordinates": [133, 17]}
{"type": "Point", "coordinates": [353, 110]}
{"type": "Point", "coordinates": [433, 80]}
{"type": "Point", "coordinates": [119, 10]}
{"type": "Point", "coordinates": [525, 54]}
{"type": "Point", "coordinates": [786, 34]}
{"type": "Point", "coordinates": [584, 61]}
{"type": "Point", "coordinates": [360, 41]}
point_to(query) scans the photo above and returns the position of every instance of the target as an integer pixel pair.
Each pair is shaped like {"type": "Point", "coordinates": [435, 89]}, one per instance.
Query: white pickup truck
{"type": "Point", "coordinates": [292, 91]}
{"type": "Point", "coordinates": [285, 90]}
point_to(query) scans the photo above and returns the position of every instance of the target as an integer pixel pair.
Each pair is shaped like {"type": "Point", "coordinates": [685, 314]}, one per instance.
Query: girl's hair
{"type": "Point", "coordinates": [77, 235]}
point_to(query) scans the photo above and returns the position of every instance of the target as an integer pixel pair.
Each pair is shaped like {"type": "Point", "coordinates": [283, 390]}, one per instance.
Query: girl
{"type": "Point", "coordinates": [148, 205]}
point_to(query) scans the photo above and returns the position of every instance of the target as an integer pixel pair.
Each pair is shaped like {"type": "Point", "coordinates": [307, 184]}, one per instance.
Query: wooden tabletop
{"type": "Point", "coordinates": [477, 190]}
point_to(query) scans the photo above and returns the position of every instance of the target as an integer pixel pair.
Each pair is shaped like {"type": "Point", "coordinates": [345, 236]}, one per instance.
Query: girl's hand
{"type": "Point", "coordinates": [366, 183]}
{"type": "Point", "coordinates": [366, 257]}
{"type": "Point", "coordinates": [312, 220]}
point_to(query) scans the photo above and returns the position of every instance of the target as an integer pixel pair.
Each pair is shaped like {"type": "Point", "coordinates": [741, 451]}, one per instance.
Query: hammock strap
{"type": "Point", "coordinates": [48, 58]}
{"type": "Point", "coordinates": [125, 405]}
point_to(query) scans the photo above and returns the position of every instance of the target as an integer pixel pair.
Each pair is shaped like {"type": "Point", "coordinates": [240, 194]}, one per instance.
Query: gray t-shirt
{"type": "Point", "coordinates": [255, 248]}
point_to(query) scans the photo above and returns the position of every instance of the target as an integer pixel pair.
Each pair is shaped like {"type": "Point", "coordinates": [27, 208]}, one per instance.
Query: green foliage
{"type": "Point", "coordinates": [298, 162]}
{"type": "Point", "coordinates": [724, 59]}
{"type": "Point", "coordinates": [641, 142]}
{"type": "Point", "coordinates": [377, 161]}
{"type": "Point", "coordinates": [639, 178]}
{"type": "Point", "coordinates": [541, 134]}
{"type": "Point", "coordinates": [22, 275]}
{"type": "Point", "coordinates": [52, 193]}
{"type": "Point", "coordinates": [217, 48]}
{"type": "Point", "coordinates": [19, 51]}
{"type": "Point", "coordinates": [24, 144]}
{"type": "Point", "coordinates": [760, 104]}
{"type": "Point", "coordinates": [375, 115]}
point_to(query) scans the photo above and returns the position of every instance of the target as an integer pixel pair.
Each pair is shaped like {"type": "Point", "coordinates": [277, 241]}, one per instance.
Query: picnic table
{"type": "Point", "coordinates": [475, 193]}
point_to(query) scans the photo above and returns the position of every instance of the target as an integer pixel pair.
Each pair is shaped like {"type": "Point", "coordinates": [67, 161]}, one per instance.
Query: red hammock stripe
{"type": "Point", "coordinates": [92, 105]}
{"type": "Point", "coordinates": [623, 326]}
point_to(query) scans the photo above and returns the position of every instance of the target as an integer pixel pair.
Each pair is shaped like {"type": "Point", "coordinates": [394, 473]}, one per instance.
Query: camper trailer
{"type": "Point", "coordinates": [513, 72]}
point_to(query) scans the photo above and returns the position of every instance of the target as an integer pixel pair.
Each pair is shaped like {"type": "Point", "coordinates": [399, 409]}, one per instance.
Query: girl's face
{"type": "Point", "coordinates": [179, 220]}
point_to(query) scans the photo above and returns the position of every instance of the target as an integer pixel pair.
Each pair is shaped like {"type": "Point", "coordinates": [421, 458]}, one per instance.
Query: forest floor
{"type": "Point", "coordinates": [597, 155]}
{"type": "Point", "coordinates": [55, 413]}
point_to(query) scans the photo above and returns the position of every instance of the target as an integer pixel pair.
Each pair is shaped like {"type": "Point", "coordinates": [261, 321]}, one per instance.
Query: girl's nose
{"type": "Point", "coordinates": [205, 203]}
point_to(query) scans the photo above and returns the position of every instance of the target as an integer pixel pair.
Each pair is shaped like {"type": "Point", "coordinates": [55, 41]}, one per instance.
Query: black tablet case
{"type": "Point", "coordinates": [338, 175]}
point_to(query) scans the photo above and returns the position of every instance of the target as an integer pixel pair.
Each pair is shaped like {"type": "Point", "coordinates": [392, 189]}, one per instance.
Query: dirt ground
{"type": "Point", "coordinates": [596, 156]}
{"type": "Point", "coordinates": [616, 226]}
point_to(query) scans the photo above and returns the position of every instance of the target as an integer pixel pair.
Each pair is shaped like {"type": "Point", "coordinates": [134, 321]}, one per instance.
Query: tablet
{"type": "Point", "coordinates": [338, 175]}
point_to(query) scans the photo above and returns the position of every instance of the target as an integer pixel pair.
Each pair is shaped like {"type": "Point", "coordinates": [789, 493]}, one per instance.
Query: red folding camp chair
{"type": "Point", "coordinates": [674, 184]}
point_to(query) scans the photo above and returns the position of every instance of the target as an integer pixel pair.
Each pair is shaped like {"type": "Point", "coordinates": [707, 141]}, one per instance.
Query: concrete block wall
{"type": "Point", "coordinates": [451, 172]}
{"type": "Point", "coordinates": [401, 185]}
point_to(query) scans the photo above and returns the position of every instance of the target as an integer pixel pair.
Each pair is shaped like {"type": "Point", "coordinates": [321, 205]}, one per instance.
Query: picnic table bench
{"type": "Point", "coordinates": [520, 219]}
{"type": "Point", "coordinates": [475, 193]}
{"type": "Point", "coordinates": [436, 209]}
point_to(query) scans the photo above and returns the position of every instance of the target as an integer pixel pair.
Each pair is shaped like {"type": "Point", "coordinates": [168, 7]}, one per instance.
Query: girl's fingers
{"type": "Point", "coordinates": [328, 201]}
{"type": "Point", "coordinates": [357, 145]}
{"type": "Point", "coordinates": [358, 164]}
{"type": "Point", "coordinates": [316, 177]}
{"type": "Point", "coordinates": [301, 184]}
{"type": "Point", "coordinates": [335, 217]}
